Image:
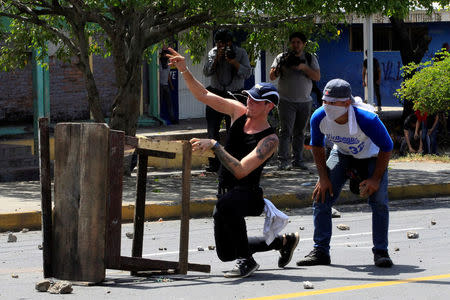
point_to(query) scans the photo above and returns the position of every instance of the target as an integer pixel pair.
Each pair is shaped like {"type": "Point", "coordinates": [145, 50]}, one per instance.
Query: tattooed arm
{"type": "Point", "coordinates": [265, 148]}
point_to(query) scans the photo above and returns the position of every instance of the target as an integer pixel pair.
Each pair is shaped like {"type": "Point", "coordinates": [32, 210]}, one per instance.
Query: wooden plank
{"type": "Point", "coordinates": [185, 200]}
{"type": "Point", "coordinates": [46, 196]}
{"type": "Point", "coordinates": [114, 200]}
{"type": "Point", "coordinates": [155, 153]}
{"type": "Point", "coordinates": [160, 145]}
{"type": "Point", "coordinates": [93, 195]}
{"type": "Point", "coordinates": [139, 208]}
{"type": "Point", "coordinates": [67, 195]}
{"type": "Point", "coordinates": [136, 264]}
{"type": "Point", "coordinates": [167, 146]}
{"type": "Point", "coordinates": [81, 187]}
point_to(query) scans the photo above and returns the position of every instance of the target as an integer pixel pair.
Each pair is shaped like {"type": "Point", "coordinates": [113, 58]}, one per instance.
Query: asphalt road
{"type": "Point", "coordinates": [421, 270]}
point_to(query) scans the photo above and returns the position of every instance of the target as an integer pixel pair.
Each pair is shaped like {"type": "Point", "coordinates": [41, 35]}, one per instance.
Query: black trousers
{"type": "Point", "coordinates": [378, 94]}
{"type": "Point", "coordinates": [230, 230]}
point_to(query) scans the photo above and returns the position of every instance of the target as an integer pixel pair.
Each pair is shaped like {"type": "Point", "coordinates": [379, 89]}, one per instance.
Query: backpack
{"type": "Point", "coordinates": [308, 58]}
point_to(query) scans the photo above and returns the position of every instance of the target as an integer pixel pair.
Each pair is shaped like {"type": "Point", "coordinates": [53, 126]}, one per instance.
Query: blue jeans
{"type": "Point", "coordinates": [338, 165]}
{"type": "Point", "coordinates": [429, 141]}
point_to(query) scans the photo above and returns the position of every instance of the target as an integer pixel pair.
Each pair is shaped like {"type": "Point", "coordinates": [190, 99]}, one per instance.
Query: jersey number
{"type": "Point", "coordinates": [357, 149]}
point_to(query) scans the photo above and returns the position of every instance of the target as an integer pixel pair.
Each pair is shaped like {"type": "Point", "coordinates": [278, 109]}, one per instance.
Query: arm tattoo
{"type": "Point", "coordinates": [267, 146]}
{"type": "Point", "coordinates": [226, 159]}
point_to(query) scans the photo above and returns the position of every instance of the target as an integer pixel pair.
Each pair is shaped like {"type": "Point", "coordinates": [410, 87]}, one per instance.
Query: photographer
{"type": "Point", "coordinates": [296, 71]}
{"type": "Point", "coordinates": [228, 66]}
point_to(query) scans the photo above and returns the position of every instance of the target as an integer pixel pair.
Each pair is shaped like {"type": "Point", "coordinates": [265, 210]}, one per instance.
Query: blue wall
{"type": "Point", "coordinates": [337, 61]}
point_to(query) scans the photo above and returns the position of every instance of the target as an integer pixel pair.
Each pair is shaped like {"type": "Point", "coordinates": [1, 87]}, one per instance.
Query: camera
{"type": "Point", "coordinates": [229, 52]}
{"type": "Point", "coordinates": [293, 60]}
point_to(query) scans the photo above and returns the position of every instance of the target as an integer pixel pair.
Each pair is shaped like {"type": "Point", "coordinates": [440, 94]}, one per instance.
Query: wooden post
{"type": "Point", "coordinates": [185, 199]}
{"type": "Point", "coordinates": [81, 188]}
{"type": "Point", "coordinates": [114, 200]}
{"type": "Point", "coordinates": [139, 209]}
{"type": "Point", "coordinates": [46, 195]}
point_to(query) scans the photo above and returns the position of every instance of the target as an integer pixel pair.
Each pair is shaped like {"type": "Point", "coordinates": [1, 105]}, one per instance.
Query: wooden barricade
{"type": "Point", "coordinates": [85, 235]}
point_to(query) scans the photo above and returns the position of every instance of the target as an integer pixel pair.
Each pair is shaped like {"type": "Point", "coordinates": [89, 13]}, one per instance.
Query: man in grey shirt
{"type": "Point", "coordinates": [228, 66]}
{"type": "Point", "coordinates": [296, 71]}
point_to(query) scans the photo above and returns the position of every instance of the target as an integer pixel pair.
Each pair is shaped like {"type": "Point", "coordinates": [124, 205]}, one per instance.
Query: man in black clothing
{"type": "Point", "coordinates": [376, 79]}
{"type": "Point", "coordinates": [411, 131]}
{"type": "Point", "coordinates": [251, 141]}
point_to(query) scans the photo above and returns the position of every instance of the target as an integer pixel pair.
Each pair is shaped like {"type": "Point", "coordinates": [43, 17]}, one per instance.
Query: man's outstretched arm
{"type": "Point", "coordinates": [230, 107]}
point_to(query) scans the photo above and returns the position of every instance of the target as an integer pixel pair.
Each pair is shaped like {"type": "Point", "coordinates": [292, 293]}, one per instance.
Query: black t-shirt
{"type": "Point", "coordinates": [239, 144]}
{"type": "Point", "coordinates": [376, 68]}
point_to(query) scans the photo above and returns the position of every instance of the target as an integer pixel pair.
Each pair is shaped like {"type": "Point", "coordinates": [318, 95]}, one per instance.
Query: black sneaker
{"type": "Point", "coordinates": [287, 250]}
{"type": "Point", "coordinates": [284, 166]}
{"type": "Point", "coordinates": [382, 259]}
{"type": "Point", "coordinates": [244, 267]}
{"type": "Point", "coordinates": [315, 257]}
{"type": "Point", "coordinates": [299, 165]}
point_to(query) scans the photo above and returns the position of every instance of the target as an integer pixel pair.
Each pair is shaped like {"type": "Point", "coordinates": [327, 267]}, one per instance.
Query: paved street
{"type": "Point", "coordinates": [421, 263]}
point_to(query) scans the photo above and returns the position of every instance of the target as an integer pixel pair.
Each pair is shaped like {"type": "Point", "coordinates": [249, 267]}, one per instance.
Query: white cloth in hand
{"type": "Point", "coordinates": [275, 221]}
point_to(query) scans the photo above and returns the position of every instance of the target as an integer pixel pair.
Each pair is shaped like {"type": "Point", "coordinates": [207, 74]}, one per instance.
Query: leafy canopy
{"type": "Point", "coordinates": [429, 87]}
{"type": "Point", "coordinates": [144, 24]}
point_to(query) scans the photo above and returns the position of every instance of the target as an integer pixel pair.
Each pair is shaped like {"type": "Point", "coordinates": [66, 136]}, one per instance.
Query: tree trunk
{"type": "Point", "coordinates": [125, 110]}
{"type": "Point", "coordinates": [93, 96]}
{"type": "Point", "coordinates": [83, 64]}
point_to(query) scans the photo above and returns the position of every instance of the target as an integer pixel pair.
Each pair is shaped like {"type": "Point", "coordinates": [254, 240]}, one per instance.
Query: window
{"type": "Point", "coordinates": [383, 37]}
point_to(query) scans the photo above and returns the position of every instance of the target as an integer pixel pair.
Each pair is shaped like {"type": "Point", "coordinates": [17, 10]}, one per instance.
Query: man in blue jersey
{"type": "Point", "coordinates": [361, 152]}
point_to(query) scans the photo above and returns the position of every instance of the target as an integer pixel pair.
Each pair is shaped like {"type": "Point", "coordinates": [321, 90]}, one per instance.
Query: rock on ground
{"type": "Point", "coordinates": [12, 238]}
{"type": "Point", "coordinates": [335, 213]}
{"type": "Point", "coordinates": [343, 227]}
{"type": "Point", "coordinates": [42, 286]}
{"type": "Point", "coordinates": [307, 285]}
{"type": "Point", "coordinates": [412, 235]}
{"type": "Point", "coordinates": [61, 287]}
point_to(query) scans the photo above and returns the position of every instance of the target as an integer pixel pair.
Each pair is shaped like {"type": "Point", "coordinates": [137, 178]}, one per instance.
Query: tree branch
{"type": "Point", "coordinates": [36, 21]}
{"type": "Point", "coordinates": [157, 33]}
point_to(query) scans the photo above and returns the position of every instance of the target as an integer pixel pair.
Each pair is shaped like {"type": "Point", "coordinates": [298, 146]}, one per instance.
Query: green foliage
{"type": "Point", "coordinates": [268, 23]}
{"type": "Point", "coordinates": [429, 86]}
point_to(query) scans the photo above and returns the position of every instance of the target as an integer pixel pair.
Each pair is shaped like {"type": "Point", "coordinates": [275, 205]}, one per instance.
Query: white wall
{"type": "Point", "coordinates": [189, 107]}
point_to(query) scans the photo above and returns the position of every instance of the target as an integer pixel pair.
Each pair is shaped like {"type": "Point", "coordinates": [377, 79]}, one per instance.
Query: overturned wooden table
{"type": "Point", "coordinates": [84, 237]}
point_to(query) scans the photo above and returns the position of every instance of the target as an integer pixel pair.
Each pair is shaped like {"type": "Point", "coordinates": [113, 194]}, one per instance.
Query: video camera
{"type": "Point", "coordinates": [290, 59]}
{"type": "Point", "coordinates": [229, 52]}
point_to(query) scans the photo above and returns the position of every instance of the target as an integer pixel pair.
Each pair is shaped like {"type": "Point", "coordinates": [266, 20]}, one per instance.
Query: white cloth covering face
{"type": "Point", "coordinates": [331, 111]}
{"type": "Point", "coordinates": [274, 222]}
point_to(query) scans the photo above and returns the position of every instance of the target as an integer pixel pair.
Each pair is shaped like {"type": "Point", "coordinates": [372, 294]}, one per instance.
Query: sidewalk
{"type": "Point", "coordinates": [20, 201]}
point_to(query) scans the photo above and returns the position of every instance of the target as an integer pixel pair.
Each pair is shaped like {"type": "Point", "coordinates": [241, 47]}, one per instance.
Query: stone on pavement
{"type": "Point", "coordinates": [42, 286]}
{"type": "Point", "coordinates": [307, 285]}
{"type": "Point", "coordinates": [412, 235]}
{"type": "Point", "coordinates": [343, 227]}
{"type": "Point", "coordinates": [61, 287]}
{"type": "Point", "coordinates": [12, 238]}
{"type": "Point", "coordinates": [335, 213]}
